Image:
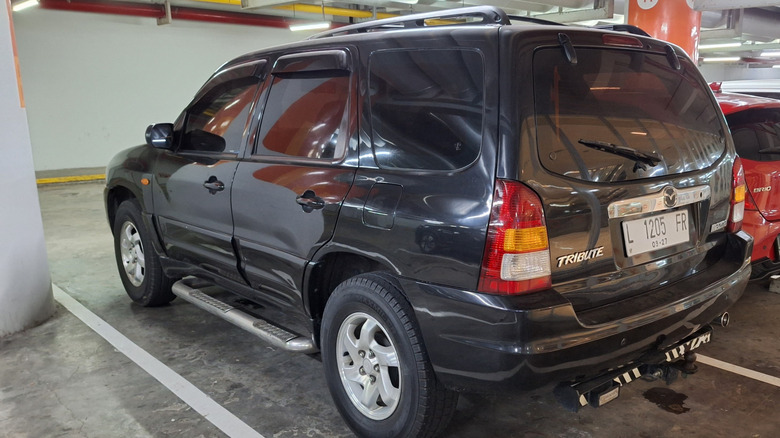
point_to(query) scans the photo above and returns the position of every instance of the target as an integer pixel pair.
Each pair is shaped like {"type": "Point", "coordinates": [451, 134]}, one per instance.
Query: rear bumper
{"type": "Point", "coordinates": [766, 260]}
{"type": "Point", "coordinates": [487, 342]}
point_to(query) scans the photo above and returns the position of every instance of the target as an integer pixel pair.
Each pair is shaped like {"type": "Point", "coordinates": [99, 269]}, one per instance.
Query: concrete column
{"type": "Point", "coordinates": [25, 282]}
{"type": "Point", "coordinates": [669, 20]}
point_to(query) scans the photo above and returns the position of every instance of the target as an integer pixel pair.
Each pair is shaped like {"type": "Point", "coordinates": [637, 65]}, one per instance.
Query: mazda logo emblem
{"type": "Point", "coordinates": [670, 196]}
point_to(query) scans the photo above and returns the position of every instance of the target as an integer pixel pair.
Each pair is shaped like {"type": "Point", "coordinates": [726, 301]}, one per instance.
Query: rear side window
{"type": "Point", "coordinates": [654, 120]}
{"type": "Point", "coordinates": [756, 133]}
{"type": "Point", "coordinates": [304, 115]}
{"type": "Point", "coordinates": [427, 108]}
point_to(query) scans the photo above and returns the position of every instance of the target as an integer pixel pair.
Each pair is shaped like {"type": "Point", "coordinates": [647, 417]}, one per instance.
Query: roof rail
{"type": "Point", "coordinates": [623, 28]}
{"type": "Point", "coordinates": [534, 20]}
{"type": "Point", "coordinates": [484, 14]}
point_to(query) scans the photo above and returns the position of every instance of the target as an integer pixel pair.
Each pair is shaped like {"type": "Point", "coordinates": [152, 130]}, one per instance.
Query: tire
{"type": "Point", "coordinates": [366, 324]}
{"type": "Point", "coordinates": [138, 263]}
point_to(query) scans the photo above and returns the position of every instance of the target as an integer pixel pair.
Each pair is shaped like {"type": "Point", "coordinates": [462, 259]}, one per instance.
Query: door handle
{"type": "Point", "coordinates": [214, 185]}
{"type": "Point", "coordinates": [310, 201]}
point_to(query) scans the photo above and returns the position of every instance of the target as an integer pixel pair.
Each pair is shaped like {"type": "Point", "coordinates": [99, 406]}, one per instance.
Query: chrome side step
{"type": "Point", "coordinates": [188, 290]}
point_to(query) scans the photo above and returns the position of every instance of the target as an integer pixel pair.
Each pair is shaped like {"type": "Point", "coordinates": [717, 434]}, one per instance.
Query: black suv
{"type": "Point", "coordinates": [446, 202]}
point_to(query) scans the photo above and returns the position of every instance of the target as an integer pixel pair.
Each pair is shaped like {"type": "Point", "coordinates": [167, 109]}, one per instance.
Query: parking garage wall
{"type": "Point", "coordinates": [93, 82]}
{"type": "Point", "coordinates": [719, 72]}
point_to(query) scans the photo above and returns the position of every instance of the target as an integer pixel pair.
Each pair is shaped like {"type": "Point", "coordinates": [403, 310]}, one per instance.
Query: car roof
{"type": "Point", "coordinates": [731, 103]}
{"type": "Point", "coordinates": [475, 19]}
{"type": "Point", "coordinates": [751, 85]}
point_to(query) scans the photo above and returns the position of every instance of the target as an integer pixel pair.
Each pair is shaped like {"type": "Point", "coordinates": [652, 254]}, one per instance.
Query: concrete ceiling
{"type": "Point", "coordinates": [753, 24]}
{"type": "Point", "coordinates": [749, 27]}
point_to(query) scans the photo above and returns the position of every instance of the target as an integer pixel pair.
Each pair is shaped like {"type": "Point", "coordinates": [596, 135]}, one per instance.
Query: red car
{"type": "Point", "coordinates": [755, 127]}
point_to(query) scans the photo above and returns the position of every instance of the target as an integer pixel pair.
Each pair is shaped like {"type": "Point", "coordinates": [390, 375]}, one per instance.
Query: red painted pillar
{"type": "Point", "coordinates": [670, 20]}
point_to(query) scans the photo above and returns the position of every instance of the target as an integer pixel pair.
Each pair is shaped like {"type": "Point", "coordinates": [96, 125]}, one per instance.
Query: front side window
{"type": "Point", "coordinates": [216, 122]}
{"type": "Point", "coordinates": [619, 115]}
{"type": "Point", "coordinates": [427, 108]}
{"type": "Point", "coordinates": [756, 133]}
{"type": "Point", "coordinates": [305, 115]}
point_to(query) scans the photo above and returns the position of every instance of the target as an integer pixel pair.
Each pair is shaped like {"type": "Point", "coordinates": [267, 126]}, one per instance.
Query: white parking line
{"type": "Point", "coordinates": [186, 391]}
{"type": "Point", "coordinates": [214, 412]}
{"type": "Point", "coordinates": [755, 375]}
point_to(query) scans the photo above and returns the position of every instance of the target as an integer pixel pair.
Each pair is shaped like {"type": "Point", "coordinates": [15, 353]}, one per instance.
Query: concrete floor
{"type": "Point", "coordinates": [63, 380]}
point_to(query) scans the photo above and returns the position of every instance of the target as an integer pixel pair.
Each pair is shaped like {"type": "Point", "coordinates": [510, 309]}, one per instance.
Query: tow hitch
{"type": "Point", "coordinates": [666, 365]}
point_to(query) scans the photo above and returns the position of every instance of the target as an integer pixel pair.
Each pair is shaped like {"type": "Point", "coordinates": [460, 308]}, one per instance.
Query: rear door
{"type": "Point", "coordinates": [634, 170]}
{"type": "Point", "coordinates": [192, 190]}
{"type": "Point", "coordinates": [756, 134]}
{"type": "Point", "coordinates": [288, 191]}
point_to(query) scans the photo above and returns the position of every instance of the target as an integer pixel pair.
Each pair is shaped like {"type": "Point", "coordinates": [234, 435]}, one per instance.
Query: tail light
{"type": "Point", "coordinates": [738, 189]}
{"type": "Point", "coordinates": [750, 203]}
{"type": "Point", "coordinates": [517, 255]}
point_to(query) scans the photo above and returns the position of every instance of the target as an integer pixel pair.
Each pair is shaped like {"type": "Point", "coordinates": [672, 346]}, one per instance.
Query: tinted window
{"type": "Point", "coordinates": [305, 114]}
{"type": "Point", "coordinates": [628, 99]}
{"type": "Point", "coordinates": [756, 133]}
{"type": "Point", "coordinates": [216, 122]}
{"type": "Point", "coordinates": [426, 108]}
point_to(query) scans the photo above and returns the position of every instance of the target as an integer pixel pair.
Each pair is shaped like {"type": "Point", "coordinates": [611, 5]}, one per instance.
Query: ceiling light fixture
{"type": "Point", "coordinates": [719, 46]}
{"type": "Point", "coordinates": [770, 54]}
{"type": "Point", "coordinates": [24, 5]}
{"type": "Point", "coordinates": [310, 26]}
{"type": "Point", "coordinates": [722, 59]}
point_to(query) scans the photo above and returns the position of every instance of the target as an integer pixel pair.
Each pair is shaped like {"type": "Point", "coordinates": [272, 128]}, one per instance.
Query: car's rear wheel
{"type": "Point", "coordinates": [138, 264]}
{"type": "Point", "coordinates": [376, 365]}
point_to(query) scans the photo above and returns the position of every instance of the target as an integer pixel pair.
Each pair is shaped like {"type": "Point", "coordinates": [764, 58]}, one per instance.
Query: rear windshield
{"type": "Point", "coordinates": [619, 115]}
{"type": "Point", "coordinates": [756, 133]}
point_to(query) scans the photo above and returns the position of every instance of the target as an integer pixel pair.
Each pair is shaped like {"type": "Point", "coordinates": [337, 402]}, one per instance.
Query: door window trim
{"type": "Point", "coordinates": [333, 59]}
{"type": "Point", "coordinates": [255, 68]}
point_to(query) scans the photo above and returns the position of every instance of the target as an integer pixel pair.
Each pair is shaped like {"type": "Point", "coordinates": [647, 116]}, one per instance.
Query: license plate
{"type": "Point", "coordinates": [609, 396]}
{"type": "Point", "coordinates": [656, 232]}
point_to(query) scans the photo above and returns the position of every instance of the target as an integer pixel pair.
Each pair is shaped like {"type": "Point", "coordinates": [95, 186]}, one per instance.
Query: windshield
{"type": "Point", "coordinates": [633, 104]}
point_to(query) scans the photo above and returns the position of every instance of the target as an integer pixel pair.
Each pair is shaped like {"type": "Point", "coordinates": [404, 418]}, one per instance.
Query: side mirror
{"type": "Point", "coordinates": [160, 135]}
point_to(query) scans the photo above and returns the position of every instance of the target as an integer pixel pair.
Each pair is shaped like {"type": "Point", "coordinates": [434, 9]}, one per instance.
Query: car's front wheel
{"type": "Point", "coordinates": [138, 264]}
{"type": "Point", "coordinates": [376, 365]}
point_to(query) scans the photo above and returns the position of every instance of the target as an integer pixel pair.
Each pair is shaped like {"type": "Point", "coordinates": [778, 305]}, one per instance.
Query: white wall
{"type": "Point", "coordinates": [93, 82]}
{"type": "Point", "coordinates": [719, 72]}
{"type": "Point", "coordinates": [25, 284]}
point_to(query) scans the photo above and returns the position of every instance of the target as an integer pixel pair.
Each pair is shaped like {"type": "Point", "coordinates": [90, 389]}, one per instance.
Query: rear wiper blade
{"type": "Point", "coordinates": [769, 151]}
{"type": "Point", "coordinates": [640, 158]}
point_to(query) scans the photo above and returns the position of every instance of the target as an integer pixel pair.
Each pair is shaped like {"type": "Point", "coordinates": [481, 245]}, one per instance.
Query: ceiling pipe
{"type": "Point", "coordinates": [756, 24]}
{"type": "Point", "coordinates": [438, 5]}
{"type": "Point", "coordinates": [311, 9]}
{"type": "Point", "coordinates": [573, 4]}
{"type": "Point", "coordinates": [328, 10]}
{"type": "Point", "coordinates": [713, 19]}
{"type": "Point", "coordinates": [158, 11]}
{"type": "Point", "coordinates": [116, 8]}
{"type": "Point", "coordinates": [225, 17]}
{"type": "Point", "coordinates": [760, 25]}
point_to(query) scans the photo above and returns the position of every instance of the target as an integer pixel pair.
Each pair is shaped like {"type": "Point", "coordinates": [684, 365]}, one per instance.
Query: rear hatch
{"type": "Point", "coordinates": [756, 134]}
{"type": "Point", "coordinates": [633, 166]}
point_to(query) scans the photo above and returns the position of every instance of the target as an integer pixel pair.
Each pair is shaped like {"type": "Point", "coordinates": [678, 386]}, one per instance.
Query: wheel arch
{"type": "Point", "coordinates": [115, 196]}
{"type": "Point", "coordinates": [330, 270]}
{"type": "Point", "coordinates": [121, 192]}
